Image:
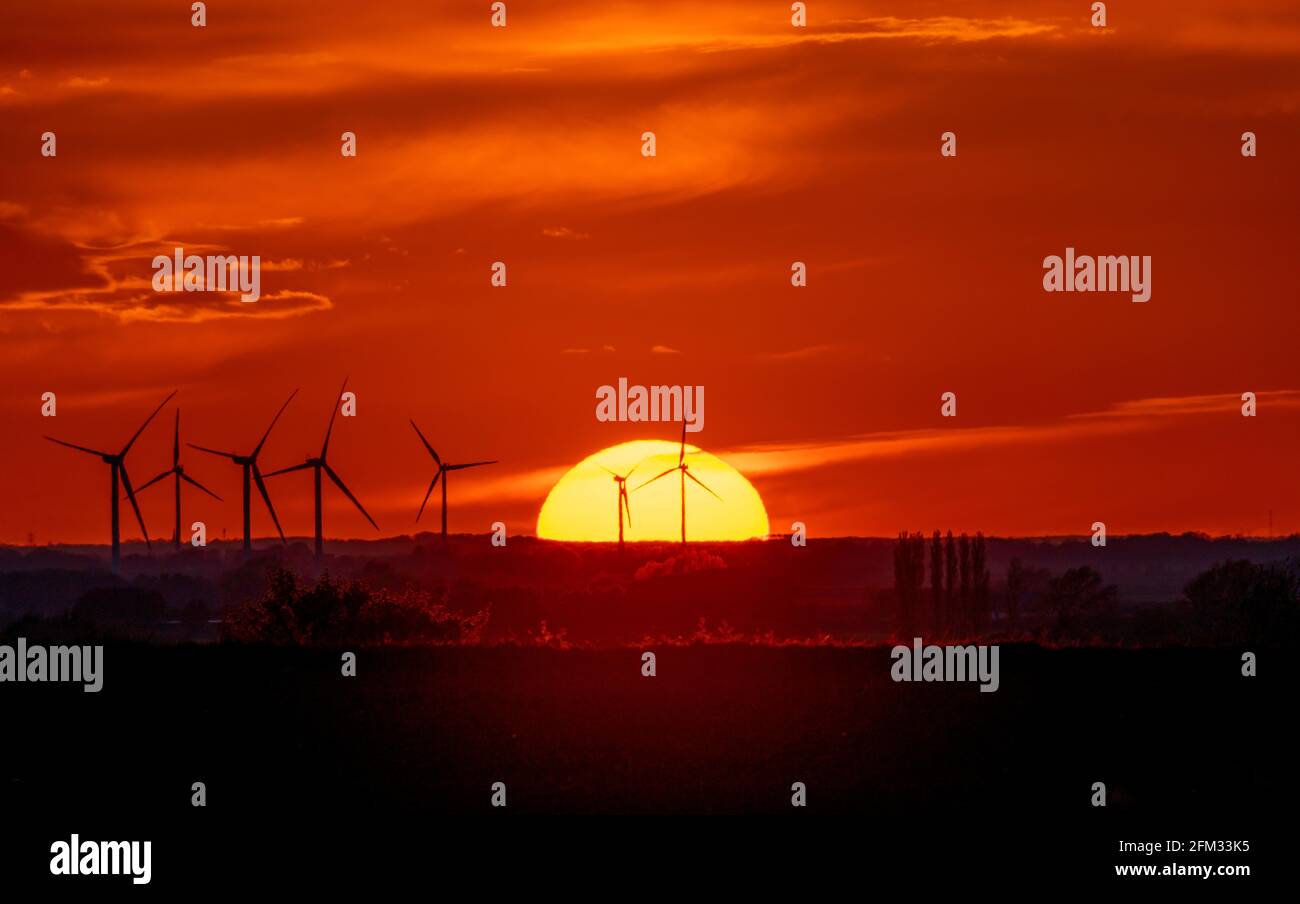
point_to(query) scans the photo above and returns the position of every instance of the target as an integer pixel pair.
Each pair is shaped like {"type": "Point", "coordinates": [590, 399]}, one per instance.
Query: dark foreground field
{"type": "Point", "coordinates": [292, 752]}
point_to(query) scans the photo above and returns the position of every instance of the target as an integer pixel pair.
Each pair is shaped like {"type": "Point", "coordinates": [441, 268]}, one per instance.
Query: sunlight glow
{"type": "Point", "coordinates": [582, 504]}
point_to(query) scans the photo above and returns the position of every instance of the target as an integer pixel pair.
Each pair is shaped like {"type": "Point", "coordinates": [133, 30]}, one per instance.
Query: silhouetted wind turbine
{"type": "Point", "coordinates": [443, 468]}
{"type": "Point", "coordinates": [622, 502]}
{"type": "Point", "coordinates": [178, 470]}
{"type": "Point", "coordinates": [117, 469]}
{"type": "Point", "coordinates": [249, 464]}
{"type": "Point", "coordinates": [685, 471]}
{"type": "Point", "coordinates": [319, 464]}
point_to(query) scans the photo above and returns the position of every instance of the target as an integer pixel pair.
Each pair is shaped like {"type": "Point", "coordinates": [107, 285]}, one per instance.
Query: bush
{"type": "Point", "coordinates": [1241, 602]}
{"type": "Point", "coordinates": [334, 613]}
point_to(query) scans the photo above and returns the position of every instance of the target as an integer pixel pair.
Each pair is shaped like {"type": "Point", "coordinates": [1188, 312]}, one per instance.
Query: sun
{"type": "Point", "coordinates": [583, 504]}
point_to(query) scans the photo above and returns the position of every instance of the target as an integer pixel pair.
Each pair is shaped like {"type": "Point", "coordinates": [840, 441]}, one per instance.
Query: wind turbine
{"type": "Point", "coordinates": [443, 468]}
{"type": "Point", "coordinates": [249, 464]}
{"type": "Point", "coordinates": [622, 503]}
{"type": "Point", "coordinates": [178, 470]}
{"type": "Point", "coordinates": [318, 464]}
{"type": "Point", "coordinates": [117, 470]}
{"type": "Point", "coordinates": [685, 471]}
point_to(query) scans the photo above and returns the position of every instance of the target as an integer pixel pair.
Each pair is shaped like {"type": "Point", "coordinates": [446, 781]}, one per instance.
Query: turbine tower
{"type": "Point", "coordinates": [249, 464]}
{"type": "Point", "coordinates": [622, 502]}
{"type": "Point", "coordinates": [443, 468]}
{"type": "Point", "coordinates": [117, 471]}
{"type": "Point", "coordinates": [318, 464]}
{"type": "Point", "coordinates": [685, 471]}
{"type": "Point", "coordinates": [178, 471]}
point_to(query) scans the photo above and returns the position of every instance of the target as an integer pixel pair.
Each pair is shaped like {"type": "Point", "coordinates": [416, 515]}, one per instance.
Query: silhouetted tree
{"type": "Point", "coordinates": [909, 575]}
{"type": "Point", "coordinates": [1015, 587]}
{"type": "Point", "coordinates": [333, 612]}
{"type": "Point", "coordinates": [979, 584]}
{"type": "Point", "coordinates": [936, 584]}
{"type": "Point", "coordinates": [1078, 591]}
{"type": "Point", "coordinates": [1241, 602]}
{"type": "Point", "coordinates": [964, 572]}
{"type": "Point", "coordinates": [949, 585]}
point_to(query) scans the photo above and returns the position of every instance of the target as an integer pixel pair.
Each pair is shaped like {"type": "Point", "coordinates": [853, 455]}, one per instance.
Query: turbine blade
{"type": "Point", "coordinates": [701, 483]}
{"type": "Point", "coordinates": [132, 440]}
{"type": "Point", "coordinates": [266, 497]}
{"type": "Point", "coordinates": [231, 455]}
{"type": "Point", "coordinates": [653, 479]}
{"type": "Point", "coordinates": [305, 464]}
{"type": "Point", "coordinates": [627, 506]}
{"type": "Point", "coordinates": [192, 482]}
{"type": "Point", "coordinates": [262, 442]}
{"type": "Point", "coordinates": [338, 482]}
{"type": "Point", "coordinates": [605, 469]}
{"type": "Point", "coordinates": [427, 494]}
{"type": "Point", "coordinates": [330, 429]}
{"type": "Point", "coordinates": [472, 464]}
{"type": "Point", "coordinates": [681, 457]}
{"type": "Point", "coordinates": [79, 448]}
{"type": "Point", "coordinates": [130, 494]}
{"type": "Point", "coordinates": [154, 480]}
{"type": "Point", "coordinates": [426, 445]}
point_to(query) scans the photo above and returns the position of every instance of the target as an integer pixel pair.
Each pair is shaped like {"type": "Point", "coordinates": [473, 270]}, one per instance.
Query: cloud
{"type": "Point", "coordinates": [44, 273]}
{"type": "Point", "coordinates": [1120, 418]}
{"type": "Point", "coordinates": [80, 82]}
{"type": "Point", "coordinates": [563, 232]}
{"type": "Point", "coordinates": [663, 350]}
{"type": "Point", "coordinates": [1197, 404]}
{"type": "Point", "coordinates": [486, 487]}
{"type": "Point", "coordinates": [803, 354]}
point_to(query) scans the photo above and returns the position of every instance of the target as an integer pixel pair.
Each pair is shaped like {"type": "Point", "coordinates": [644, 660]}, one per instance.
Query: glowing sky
{"type": "Point", "coordinates": [775, 144]}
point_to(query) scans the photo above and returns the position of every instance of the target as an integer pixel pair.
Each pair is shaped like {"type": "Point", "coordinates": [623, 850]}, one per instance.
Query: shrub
{"type": "Point", "coordinates": [334, 613]}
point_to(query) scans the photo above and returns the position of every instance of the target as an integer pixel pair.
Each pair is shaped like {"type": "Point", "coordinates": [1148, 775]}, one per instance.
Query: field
{"type": "Point", "coordinates": [524, 666]}
{"type": "Point", "coordinates": [287, 747]}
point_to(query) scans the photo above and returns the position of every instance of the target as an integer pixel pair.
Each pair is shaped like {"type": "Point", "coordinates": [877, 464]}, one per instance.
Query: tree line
{"type": "Point", "coordinates": [959, 600]}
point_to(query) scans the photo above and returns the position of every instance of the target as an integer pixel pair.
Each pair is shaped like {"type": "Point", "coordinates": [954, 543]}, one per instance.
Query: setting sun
{"type": "Point", "coordinates": [583, 504]}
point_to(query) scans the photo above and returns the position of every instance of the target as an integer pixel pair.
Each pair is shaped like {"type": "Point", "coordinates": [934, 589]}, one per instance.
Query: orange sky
{"type": "Point", "coordinates": [775, 144]}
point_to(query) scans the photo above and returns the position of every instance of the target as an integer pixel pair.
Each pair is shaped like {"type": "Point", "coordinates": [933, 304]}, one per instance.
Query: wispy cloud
{"type": "Point", "coordinates": [1120, 418]}
{"type": "Point", "coordinates": [803, 354]}
{"type": "Point", "coordinates": [116, 281]}
{"type": "Point", "coordinates": [563, 232]}
{"type": "Point", "coordinates": [80, 82]}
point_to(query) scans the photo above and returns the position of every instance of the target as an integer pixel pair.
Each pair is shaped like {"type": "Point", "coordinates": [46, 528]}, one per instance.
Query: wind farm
{"type": "Point", "coordinates": [252, 474]}
{"type": "Point", "coordinates": [683, 470]}
{"type": "Point", "coordinates": [444, 468]}
{"type": "Point", "coordinates": [576, 512]}
{"type": "Point", "coordinates": [446, 236]}
{"type": "Point", "coordinates": [177, 471]}
{"type": "Point", "coordinates": [620, 500]}
{"type": "Point", "coordinates": [319, 464]}
{"type": "Point", "coordinates": [116, 462]}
